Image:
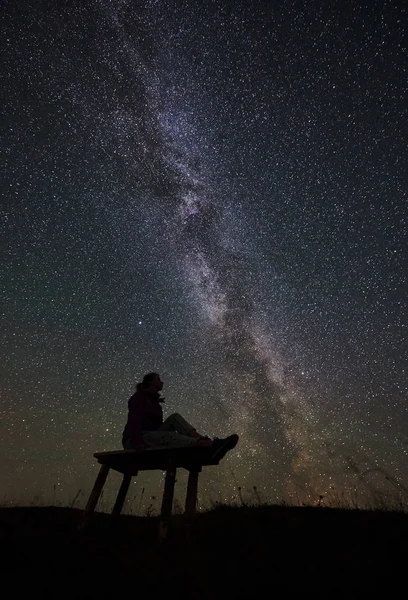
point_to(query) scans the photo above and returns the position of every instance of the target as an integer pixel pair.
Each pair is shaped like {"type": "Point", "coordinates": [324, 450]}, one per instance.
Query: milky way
{"type": "Point", "coordinates": [217, 192]}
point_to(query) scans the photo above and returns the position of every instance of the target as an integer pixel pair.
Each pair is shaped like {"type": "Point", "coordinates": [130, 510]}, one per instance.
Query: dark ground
{"type": "Point", "coordinates": [240, 552]}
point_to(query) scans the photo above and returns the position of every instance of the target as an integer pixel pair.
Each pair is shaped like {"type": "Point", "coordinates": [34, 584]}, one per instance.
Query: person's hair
{"type": "Point", "coordinates": [147, 379]}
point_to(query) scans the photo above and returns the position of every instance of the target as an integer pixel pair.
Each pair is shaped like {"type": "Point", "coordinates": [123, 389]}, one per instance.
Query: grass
{"type": "Point", "coordinates": [245, 551]}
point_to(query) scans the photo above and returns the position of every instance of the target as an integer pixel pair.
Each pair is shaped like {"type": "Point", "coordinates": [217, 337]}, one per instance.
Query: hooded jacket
{"type": "Point", "coordinates": [145, 414]}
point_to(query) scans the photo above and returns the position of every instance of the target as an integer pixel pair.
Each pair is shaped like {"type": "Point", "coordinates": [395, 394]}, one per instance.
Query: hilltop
{"type": "Point", "coordinates": [241, 552]}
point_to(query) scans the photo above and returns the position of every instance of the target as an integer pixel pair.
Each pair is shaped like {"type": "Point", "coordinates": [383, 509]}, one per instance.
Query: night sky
{"type": "Point", "coordinates": [217, 191]}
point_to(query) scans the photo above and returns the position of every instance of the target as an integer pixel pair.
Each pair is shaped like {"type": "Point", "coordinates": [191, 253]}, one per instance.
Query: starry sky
{"type": "Point", "coordinates": [217, 191]}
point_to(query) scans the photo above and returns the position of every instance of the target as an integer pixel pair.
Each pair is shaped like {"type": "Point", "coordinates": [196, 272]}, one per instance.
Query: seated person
{"type": "Point", "coordinates": [145, 427]}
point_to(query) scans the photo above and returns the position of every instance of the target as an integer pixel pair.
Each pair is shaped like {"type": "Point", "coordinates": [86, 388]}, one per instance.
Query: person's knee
{"type": "Point", "coordinates": [175, 416]}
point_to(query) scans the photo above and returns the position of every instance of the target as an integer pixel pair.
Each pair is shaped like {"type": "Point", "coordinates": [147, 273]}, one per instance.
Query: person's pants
{"type": "Point", "coordinates": [174, 432]}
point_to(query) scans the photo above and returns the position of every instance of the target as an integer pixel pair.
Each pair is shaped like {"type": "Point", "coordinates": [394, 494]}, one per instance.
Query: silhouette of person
{"type": "Point", "coordinates": [145, 427]}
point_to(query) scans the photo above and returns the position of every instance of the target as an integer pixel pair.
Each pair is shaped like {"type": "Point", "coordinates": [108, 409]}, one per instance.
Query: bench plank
{"type": "Point", "coordinates": [129, 462]}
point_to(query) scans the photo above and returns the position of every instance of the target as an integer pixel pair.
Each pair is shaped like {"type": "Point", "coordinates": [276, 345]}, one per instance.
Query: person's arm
{"type": "Point", "coordinates": [136, 409]}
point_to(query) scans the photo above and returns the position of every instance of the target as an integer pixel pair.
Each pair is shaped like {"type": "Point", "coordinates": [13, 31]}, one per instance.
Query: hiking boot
{"type": "Point", "coordinates": [220, 447]}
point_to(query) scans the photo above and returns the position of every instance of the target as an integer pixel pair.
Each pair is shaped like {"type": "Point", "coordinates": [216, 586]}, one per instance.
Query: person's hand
{"type": "Point", "coordinates": [139, 447]}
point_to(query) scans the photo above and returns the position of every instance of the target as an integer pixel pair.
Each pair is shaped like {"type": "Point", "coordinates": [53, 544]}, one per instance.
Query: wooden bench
{"type": "Point", "coordinates": [130, 462]}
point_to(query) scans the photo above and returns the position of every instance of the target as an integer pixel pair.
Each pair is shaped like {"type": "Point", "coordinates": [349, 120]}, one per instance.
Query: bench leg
{"type": "Point", "coordinates": [94, 497]}
{"type": "Point", "coordinates": [191, 497]}
{"type": "Point", "coordinates": [123, 490]}
{"type": "Point", "coordinates": [167, 502]}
